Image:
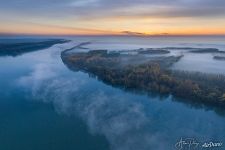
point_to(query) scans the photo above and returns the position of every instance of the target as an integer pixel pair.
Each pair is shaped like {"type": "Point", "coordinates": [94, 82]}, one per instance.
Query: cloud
{"type": "Point", "coordinates": [118, 118]}
{"type": "Point", "coordinates": [105, 8]}
{"type": "Point", "coordinates": [83, 3]}
{"type": "Point", "coordinates": [121, 121]}
{"type": "Point", "coordinates": [134, 33]}
{"type": "Point", "coordinates": [112, 16]}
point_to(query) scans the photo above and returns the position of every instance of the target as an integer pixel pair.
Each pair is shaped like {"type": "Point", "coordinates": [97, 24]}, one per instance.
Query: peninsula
{"type": "Point", "coordinates": [149, 74]}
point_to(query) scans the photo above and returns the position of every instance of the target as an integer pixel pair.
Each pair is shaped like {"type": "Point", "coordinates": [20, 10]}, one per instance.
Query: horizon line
{"type": "Point", "coordinates": [126, 35]}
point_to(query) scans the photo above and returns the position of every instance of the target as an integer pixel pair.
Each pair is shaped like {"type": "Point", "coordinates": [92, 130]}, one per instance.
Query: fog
{"type": "Point", "coordinates": [127, 120]}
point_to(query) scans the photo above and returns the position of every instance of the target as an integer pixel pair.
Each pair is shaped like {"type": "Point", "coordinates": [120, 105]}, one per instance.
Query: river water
{"type": "Point", "coordinates": [46, 106]}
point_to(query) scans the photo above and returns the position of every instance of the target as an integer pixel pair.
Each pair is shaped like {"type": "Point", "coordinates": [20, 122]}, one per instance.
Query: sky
{"type": "Point", "coordinates": [113, 17]}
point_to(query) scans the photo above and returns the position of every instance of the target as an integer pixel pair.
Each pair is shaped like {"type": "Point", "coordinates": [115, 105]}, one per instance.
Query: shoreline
{"type": "Point", "coordinates": [16, 49]}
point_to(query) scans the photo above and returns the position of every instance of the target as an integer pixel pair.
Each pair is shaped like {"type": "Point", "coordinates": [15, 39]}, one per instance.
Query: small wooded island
{"type": "Point", "coordinates": [149, 74]}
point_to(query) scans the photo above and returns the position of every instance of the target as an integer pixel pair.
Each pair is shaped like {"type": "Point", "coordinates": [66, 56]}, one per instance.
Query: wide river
{"type": "Point", "coordinates": [45, 106]}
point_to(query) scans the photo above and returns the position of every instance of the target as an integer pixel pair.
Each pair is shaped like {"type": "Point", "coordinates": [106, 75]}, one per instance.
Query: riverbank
{"type": "Point", "coordinates": [15, 49]}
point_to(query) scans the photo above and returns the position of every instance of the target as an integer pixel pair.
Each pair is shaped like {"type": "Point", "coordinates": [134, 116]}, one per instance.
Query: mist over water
{"type": "Point", "coordinates": [119, 119]}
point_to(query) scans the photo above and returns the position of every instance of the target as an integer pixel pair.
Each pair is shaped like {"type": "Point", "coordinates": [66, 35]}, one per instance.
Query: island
{"type": "Point", "coordinates": [207, 50]}
{"type": "Point", "coordinates": [148, 74]}
{"type": "Point", "coordinates": [15, 49]}
{"type": "Point", "coordinates": [219, 57]}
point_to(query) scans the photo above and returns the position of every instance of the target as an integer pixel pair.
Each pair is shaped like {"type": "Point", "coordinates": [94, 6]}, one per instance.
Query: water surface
{"type": "Point", "coordinates": [45, 106]}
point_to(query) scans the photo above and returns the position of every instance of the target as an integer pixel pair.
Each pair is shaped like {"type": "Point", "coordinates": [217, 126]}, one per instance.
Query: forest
{"type": "Point", "coordinates": [149, 75]}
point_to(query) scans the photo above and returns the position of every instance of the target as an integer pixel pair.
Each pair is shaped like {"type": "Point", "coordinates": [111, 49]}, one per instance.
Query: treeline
{"type": "Point", "coordinates": [151, 77]}
{"type": "Point", "coordinates": [219, 57]}
{"type": "Point", "coordinates": [15, 49]}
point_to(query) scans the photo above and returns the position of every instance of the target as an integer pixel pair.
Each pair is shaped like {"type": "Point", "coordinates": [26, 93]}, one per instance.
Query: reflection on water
{"type": "Point", "coordinates": [115, 119]}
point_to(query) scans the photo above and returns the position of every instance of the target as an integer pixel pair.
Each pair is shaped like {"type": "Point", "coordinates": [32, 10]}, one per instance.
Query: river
{"type": "Point", "coordinates": [46, 106]}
